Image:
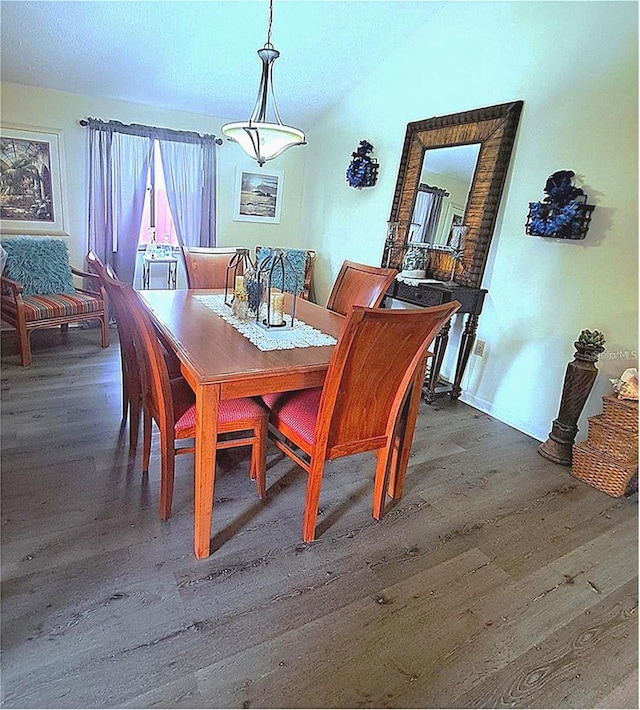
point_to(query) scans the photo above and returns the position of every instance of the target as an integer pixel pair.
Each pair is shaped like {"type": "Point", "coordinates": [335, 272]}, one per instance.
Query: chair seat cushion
{"type": "Point", "coordinates": [298, 410]}
{"type": "Point", "coordinates": [230, 410]}
{"type": "Point", "coordinates": [54, 306]}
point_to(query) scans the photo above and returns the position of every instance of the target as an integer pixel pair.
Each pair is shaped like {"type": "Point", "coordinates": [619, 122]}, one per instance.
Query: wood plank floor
{"type": "Point", "coordinates": [497, 581]}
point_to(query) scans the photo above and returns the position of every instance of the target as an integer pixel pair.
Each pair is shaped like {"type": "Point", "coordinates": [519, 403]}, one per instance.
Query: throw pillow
{"type": "Point", "coordinates": [40, 264]}
{"type": "Point", "coordinates": [293, 282]}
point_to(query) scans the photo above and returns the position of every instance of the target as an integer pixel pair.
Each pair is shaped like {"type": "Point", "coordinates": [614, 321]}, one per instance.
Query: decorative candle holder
{"type": "Point", "coordinates": [273, 274]}
{"type": "Point", "coordinates": [239, 263]}
{"type": "Point", "coordinates": [456, 244]}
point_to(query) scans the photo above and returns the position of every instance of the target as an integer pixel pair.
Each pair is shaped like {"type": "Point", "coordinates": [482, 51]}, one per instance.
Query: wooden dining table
{"type": "Point", "coordinates": [220, 363]}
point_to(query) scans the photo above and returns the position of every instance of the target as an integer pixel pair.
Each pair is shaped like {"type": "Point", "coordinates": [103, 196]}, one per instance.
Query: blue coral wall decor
{"type": "Point", "coordinates": [564, 212]}
{"type": "Point", "coordinates": [363, 169]}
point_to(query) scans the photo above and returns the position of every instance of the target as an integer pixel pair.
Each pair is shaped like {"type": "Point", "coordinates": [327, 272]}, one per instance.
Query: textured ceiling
{"type": "Point", "coordinates": [201, 56]}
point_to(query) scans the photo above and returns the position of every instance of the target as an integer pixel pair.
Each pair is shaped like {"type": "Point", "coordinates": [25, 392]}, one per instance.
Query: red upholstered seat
{"type": "Point", "coordinates": [297, 410]}
{"type": "Point", "coordinates": [230, 410]}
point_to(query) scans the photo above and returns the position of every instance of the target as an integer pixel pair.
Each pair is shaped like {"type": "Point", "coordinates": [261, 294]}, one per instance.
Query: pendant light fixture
{"type": "Point", "coordinates": [260, 139]}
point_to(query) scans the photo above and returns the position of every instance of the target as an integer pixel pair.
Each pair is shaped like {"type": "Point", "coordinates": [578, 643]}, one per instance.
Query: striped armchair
{"type": "Point", "coordinates": [37, 291]}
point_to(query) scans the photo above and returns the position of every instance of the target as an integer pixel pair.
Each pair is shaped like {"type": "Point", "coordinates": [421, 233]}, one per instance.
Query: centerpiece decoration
{"type": "Point", "coordinates": [273, 274]}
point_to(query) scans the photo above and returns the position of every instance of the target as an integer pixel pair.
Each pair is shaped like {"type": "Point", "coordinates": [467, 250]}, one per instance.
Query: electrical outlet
{"type": "Point", "coordinates": [479, 348]}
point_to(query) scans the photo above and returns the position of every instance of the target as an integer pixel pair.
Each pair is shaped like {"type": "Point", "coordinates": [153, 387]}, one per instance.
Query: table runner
{"type": "Point", "coordinates": [301, 336]}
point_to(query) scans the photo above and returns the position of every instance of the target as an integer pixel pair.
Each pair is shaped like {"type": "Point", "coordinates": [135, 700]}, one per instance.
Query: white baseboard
{"type": "Point", "coordinates": [487, 408]}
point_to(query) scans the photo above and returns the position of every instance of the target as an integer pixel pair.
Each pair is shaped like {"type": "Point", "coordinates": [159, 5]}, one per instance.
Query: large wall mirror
{"type": "Point", "coordinates": [451, 173]}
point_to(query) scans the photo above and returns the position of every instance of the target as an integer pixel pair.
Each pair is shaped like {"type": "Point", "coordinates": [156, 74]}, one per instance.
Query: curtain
{"type": "Point", "coordinates": [189, 171]}
{"type": "Point", "coordinates": [119, 157]}
{"type": "Point", "coordinates": [209, 207]}
{"type": "Point", "coordinates": [426, 212]}
{"type": "Point", "coordinates": [130, 158]}
{"type": "Point", "coordinates": [424, 200]}
{"type": "Point", "coordinates": [118, 166]}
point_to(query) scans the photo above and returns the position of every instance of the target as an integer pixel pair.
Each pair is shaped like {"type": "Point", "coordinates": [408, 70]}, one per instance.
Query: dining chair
{"type": "Point", "coordinates": [206, 267]}
{"type": "Point", "coordinates": [171, 405]}
{"type": "Point", "coordinates": [359, 285]}
{"type": "Point", "coordinates": [369, 401]}
{"type": "Point", "coordinates": [131, 379]}
{"type": "Point", "coordinates": [302, 261]}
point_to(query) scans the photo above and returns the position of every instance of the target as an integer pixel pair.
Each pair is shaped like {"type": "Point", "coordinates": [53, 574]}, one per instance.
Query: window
{"type": "Point", "coordinates": [156, 211]}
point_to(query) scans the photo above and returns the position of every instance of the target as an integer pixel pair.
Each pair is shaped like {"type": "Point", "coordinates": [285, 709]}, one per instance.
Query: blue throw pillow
{"type": "Point", "coordinates": [40, 264]}
{"type": "Point", "coordinates": [297, 258]}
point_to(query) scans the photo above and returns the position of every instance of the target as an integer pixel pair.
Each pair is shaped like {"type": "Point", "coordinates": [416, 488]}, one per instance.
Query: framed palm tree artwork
{"type": "Point", "coordinates": [31, 181]}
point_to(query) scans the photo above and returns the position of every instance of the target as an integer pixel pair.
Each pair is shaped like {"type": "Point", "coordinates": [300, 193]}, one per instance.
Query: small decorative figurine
{"type": "Point", "coordinates": [362, 170]}
{"type": "Point", "coordinates": [564, 212]}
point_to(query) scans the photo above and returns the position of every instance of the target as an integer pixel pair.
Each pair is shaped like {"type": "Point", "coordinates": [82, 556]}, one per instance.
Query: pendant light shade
{"type": "Point", "coordinates": [259, 137]}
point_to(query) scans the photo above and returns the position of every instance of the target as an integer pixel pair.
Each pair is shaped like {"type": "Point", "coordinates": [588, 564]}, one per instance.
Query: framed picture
{"type": "Point", "coordinates": [31, 188]}
{"type": "Point", "coordinates": [258, 196]}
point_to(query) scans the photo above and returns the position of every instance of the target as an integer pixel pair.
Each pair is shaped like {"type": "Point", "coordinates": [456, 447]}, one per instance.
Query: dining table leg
{"type": "Point", "coordinates": [207, 402]}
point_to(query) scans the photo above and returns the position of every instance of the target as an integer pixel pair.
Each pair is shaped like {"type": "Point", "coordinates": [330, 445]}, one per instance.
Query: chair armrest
{"type": "Point", "coordinates": [93, 281]}
{"type": "Point", "coordinates": [85, 274]}
{"type": "Point", "coordinates": [9, 286]}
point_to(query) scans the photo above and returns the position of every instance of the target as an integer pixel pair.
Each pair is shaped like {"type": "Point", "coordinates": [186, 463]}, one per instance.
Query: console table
{"type": "Point", "coordinates": [433, 294]}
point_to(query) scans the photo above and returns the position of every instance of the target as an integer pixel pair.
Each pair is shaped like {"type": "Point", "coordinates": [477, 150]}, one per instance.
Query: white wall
{"type": "Point", "coordinates": [30, 106]}
{"type": "Point", "coordinates": [575, 66]}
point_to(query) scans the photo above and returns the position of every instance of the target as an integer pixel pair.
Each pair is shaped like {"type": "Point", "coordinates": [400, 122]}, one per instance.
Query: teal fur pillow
{"type": "Point", "coordinates": [297, 259]}
{"type": "Point", "coordinates": [40, 264]}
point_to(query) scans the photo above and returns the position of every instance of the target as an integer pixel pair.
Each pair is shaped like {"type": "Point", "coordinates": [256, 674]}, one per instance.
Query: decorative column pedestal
{"type": "Point", "coordinates": [578, 381]}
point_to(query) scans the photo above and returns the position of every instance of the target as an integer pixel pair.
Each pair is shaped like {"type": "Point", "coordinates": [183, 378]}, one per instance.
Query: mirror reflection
{"type": "Point", "coordinates": [445, 182]}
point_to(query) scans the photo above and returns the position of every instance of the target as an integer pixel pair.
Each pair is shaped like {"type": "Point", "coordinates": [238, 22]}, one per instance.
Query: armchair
{"type": "Point", "coordinates": [37, 291]}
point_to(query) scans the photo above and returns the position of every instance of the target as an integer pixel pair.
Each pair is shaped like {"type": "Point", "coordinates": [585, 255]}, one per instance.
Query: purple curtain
{"type": "Point", "coordinates": [118, 167]}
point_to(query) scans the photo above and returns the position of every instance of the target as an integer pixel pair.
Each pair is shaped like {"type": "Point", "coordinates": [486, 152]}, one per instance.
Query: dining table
{"type": "Point", "coordinates": [219, 363]}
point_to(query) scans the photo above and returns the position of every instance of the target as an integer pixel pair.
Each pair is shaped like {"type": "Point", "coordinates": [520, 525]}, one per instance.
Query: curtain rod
{"type": "Point", "coordinates": [141, 129]}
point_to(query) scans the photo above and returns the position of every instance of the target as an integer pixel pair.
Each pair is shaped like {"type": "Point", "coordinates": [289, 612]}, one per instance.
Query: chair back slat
{"type": "Point", "coordinates": [206, 267]}
{"type": "Point", "coordinates": [370, 372]}
{"type": "Point", "coordinates": [359, 285]}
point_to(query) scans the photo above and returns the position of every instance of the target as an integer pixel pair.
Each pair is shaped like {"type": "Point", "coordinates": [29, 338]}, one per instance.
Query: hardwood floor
{"type": "Point", "coordinates": [497, 581]}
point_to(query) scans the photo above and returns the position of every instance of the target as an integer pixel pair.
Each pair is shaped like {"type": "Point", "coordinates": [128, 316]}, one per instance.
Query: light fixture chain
{"type": "Point", "coordinates": [270, 22]}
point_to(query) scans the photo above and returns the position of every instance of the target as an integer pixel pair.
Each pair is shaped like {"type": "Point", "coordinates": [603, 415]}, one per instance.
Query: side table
{"type": "Point", "coordinates": [172, 269]}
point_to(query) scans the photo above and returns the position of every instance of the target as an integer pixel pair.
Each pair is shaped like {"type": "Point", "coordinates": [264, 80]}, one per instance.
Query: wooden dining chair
{"type": "Point", "coordinates": [170, 403]}
{"type": "Point", "coordinates": [368, 402]}
{"type": "Point", "coordinates": [359, 285]}
{"type": "Point", "coordinates": [131, 378]}
{"type": "Point", "coordinates": [206, 267]}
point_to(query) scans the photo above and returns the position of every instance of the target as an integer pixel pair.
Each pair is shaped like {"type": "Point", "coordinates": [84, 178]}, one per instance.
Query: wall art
{"type": "Point", "coordinates": [258, 196]}
{"type": "Point", "coordinates": [32, 197]}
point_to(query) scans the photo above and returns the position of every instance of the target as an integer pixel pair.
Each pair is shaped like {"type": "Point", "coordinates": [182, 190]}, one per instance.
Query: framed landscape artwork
{"type": "Point", "coordinates": [31, 189]}
{"type": "Point", "coordinates": [258, 196]}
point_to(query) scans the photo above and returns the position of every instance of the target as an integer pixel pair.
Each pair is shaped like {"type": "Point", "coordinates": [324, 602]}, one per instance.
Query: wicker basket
{"type": "Point", "coordinates": [620, 444]}
{"type": "Point", "coordinates": [621, 412]}
{"type": "Point", "coordinates": [603, 472]}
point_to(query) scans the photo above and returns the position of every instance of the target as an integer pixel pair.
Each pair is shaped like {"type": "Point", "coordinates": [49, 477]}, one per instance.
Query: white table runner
{"type": "Point", "coordinates": [301, 336]}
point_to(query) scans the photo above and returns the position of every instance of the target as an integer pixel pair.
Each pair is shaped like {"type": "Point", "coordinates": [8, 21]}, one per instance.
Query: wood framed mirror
{"type": "Point", "coordinates": [492, 130]}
